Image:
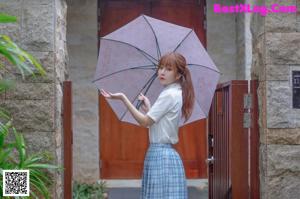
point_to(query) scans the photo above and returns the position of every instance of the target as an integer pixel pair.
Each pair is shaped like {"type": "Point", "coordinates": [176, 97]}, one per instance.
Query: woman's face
{"type": "Point", "coordinates": [167, 75]}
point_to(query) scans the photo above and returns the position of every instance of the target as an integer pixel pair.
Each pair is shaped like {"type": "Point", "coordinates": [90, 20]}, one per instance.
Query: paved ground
{"type": "Point", "coordinates": [133, 193]}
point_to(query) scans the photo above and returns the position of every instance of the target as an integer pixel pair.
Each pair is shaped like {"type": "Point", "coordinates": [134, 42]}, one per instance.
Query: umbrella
{"type": "Point", "coordinates": [128, 59]}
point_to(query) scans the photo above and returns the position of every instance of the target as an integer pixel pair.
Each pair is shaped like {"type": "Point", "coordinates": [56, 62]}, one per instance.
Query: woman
{"type": "Point", "coordinates": [163, 175]}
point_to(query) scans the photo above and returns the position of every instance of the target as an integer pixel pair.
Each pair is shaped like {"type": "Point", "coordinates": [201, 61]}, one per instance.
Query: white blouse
{"type": "Point", "coordinates": [166, 113]}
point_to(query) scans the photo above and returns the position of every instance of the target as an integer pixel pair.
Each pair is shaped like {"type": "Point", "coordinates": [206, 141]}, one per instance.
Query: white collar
{"type": "Point", "coordinates": [173, 85]}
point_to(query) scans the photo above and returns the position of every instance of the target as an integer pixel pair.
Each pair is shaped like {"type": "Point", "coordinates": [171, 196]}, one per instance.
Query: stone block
{"type": "Point", "coordinates": [282, 159]}
{"type": "Point", "coordinates": [263, 170]}
{"type": "Point", "coordinates": [263, 136]}
{"type": "Point", "coordinates": [285, 186]}
{"type": "Point", "coordinates": [39, 142]}
{"type": "Point", "coordinates": [277, 72]}
{"type": "Point", "coordinates": [38, 28]}
{"type": "Point", "coordinates": [13, 30]}
{"type": "Point", "coordinates": [4, 3]}
{"type": "Point", "coordinates": [31, 91]}
{"type": "Point", "coordinates": [283, 136]}
{"type": "Point", "coordinates": [282, 48]}
{"type": "Point", "coordinates": [60, 41]}
{"type": "Point", "coordinates": [258, 59]}
{"type": "Point", "coordinates": [47, 61]}
{"type": "Point", "coordinates": [263, 160]}
{"type": "Point", "coordinates": [58, 109]}
{"type": "Point", "coordinates": [31, 115]}
{"type": "Point", "coordinates": [281, 171]}
{"type": "Point", "coordinates": [281, 22]}
{"type": "Point", "coordinates": [279, 105]}
{"type": "Point", "coordinates": [261, 93]}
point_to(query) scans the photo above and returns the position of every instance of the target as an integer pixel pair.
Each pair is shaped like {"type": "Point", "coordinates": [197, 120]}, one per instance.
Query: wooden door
{"type": "Point", "coordinates": [233, 152]}
{"type": "Point", "coordinates": [122, 145]}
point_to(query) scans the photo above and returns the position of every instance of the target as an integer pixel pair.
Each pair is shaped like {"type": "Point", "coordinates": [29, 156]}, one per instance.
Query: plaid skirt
{"type": "Point", "coordinates": [163, 175]}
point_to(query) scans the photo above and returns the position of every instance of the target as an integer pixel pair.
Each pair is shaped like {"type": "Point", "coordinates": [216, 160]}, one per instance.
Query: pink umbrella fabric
{"type": "Point", "coordinates": [128, 59]}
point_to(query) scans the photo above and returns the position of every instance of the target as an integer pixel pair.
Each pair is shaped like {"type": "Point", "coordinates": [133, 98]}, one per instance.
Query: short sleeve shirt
{"type": "Point", "coordinates": [166, 113]}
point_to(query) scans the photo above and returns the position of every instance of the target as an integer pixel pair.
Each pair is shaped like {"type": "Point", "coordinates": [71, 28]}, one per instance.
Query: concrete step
{"type": "Point", "coordinates": [130, 189]}
{"type": "Point", "coordinates": [134, 193]}
{"type": "Point", "coordinates": [136, 183]}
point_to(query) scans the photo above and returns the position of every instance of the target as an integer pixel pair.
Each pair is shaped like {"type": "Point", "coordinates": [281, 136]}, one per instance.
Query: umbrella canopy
{"type": "Point", "coordinates": [128, 59]}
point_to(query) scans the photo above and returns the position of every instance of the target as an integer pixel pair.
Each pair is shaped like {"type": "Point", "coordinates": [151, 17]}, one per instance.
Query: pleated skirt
{"type": "Point", "coordinates": [163, 174]}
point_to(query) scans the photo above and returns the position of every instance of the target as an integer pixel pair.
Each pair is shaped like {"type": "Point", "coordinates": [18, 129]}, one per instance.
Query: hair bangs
{"type": "Point", "coordinates": [168, 60]}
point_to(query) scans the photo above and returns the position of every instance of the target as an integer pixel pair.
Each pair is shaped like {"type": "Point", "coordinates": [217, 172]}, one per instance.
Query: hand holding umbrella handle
{"type": "Point", "coordinates": [139, 104]}
{"type": "Point", "coordinates": [144, 102]}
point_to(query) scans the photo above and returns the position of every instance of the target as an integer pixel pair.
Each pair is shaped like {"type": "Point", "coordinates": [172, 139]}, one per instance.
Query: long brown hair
{"type": "Point", "coordinates": [178, 62]}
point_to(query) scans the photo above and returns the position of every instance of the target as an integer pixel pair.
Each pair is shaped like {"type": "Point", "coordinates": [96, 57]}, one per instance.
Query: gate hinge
{"type": "Point", "coordinates": [247, 120]}
{"type": "Point", "coordinates": [247, 109]}
{"type": "Point", "coordinates": [248, 101]}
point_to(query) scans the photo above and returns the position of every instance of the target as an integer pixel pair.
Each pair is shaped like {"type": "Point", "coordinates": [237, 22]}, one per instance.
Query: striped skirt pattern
{"type": "Point", "coordinates": [163, 175]}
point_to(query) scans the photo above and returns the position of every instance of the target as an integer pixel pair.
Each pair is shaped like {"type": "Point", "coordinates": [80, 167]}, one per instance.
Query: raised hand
{"type": "Point", "coordinates": [119, 96]}
{"type": "Point", "coordinates": [143, 120]}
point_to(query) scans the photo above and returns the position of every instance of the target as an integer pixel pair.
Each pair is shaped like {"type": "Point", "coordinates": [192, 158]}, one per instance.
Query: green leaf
{"type": "Point", "coordinates": [4, 155]}
{"type": "Point", "coordinates": [32, 159]}
{"type": "Point", "coordinates": [4, 130]}
{"type": "Point", "coordinates": [40, 174]}
{"type": "Point", "coordinates": [4, 18]}
{"type": "Point", "coordinates": [4, 113]}
{"type": "Point", "coordinates": [39, 185]}
{"type": "Point", "coordinates": [20, 145]}
{"type": "Point", "coordinates": [43, 166]}
{"type": "Point", "coordinates": [18, 57]}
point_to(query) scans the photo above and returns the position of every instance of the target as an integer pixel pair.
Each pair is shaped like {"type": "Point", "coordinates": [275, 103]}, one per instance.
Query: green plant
{"type": "Point", "coordinates": [18, 57]}
{"type": "Point", "coordinates": [89, 191]}
{"type": "Point", "coordinates": [13, 156]}
{"type": "Point", "coordinates": [13, 153]}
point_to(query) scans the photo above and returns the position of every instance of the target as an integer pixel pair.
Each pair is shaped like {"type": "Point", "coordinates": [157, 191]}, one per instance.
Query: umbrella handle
{"type": "Point", "coordinates": [138, 105]}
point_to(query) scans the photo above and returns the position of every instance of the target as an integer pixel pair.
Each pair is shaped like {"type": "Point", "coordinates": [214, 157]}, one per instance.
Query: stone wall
{"type": "Point", "coordinates": [82, 47]}
{"type": "Point", "coordinates": [276, 52]}
{"type": "Point", "coordinates": [36, 103]}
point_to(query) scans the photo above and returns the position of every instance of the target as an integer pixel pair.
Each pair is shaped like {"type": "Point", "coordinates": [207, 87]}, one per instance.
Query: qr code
{"type": "Point", "coordinates": [16, 183]}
